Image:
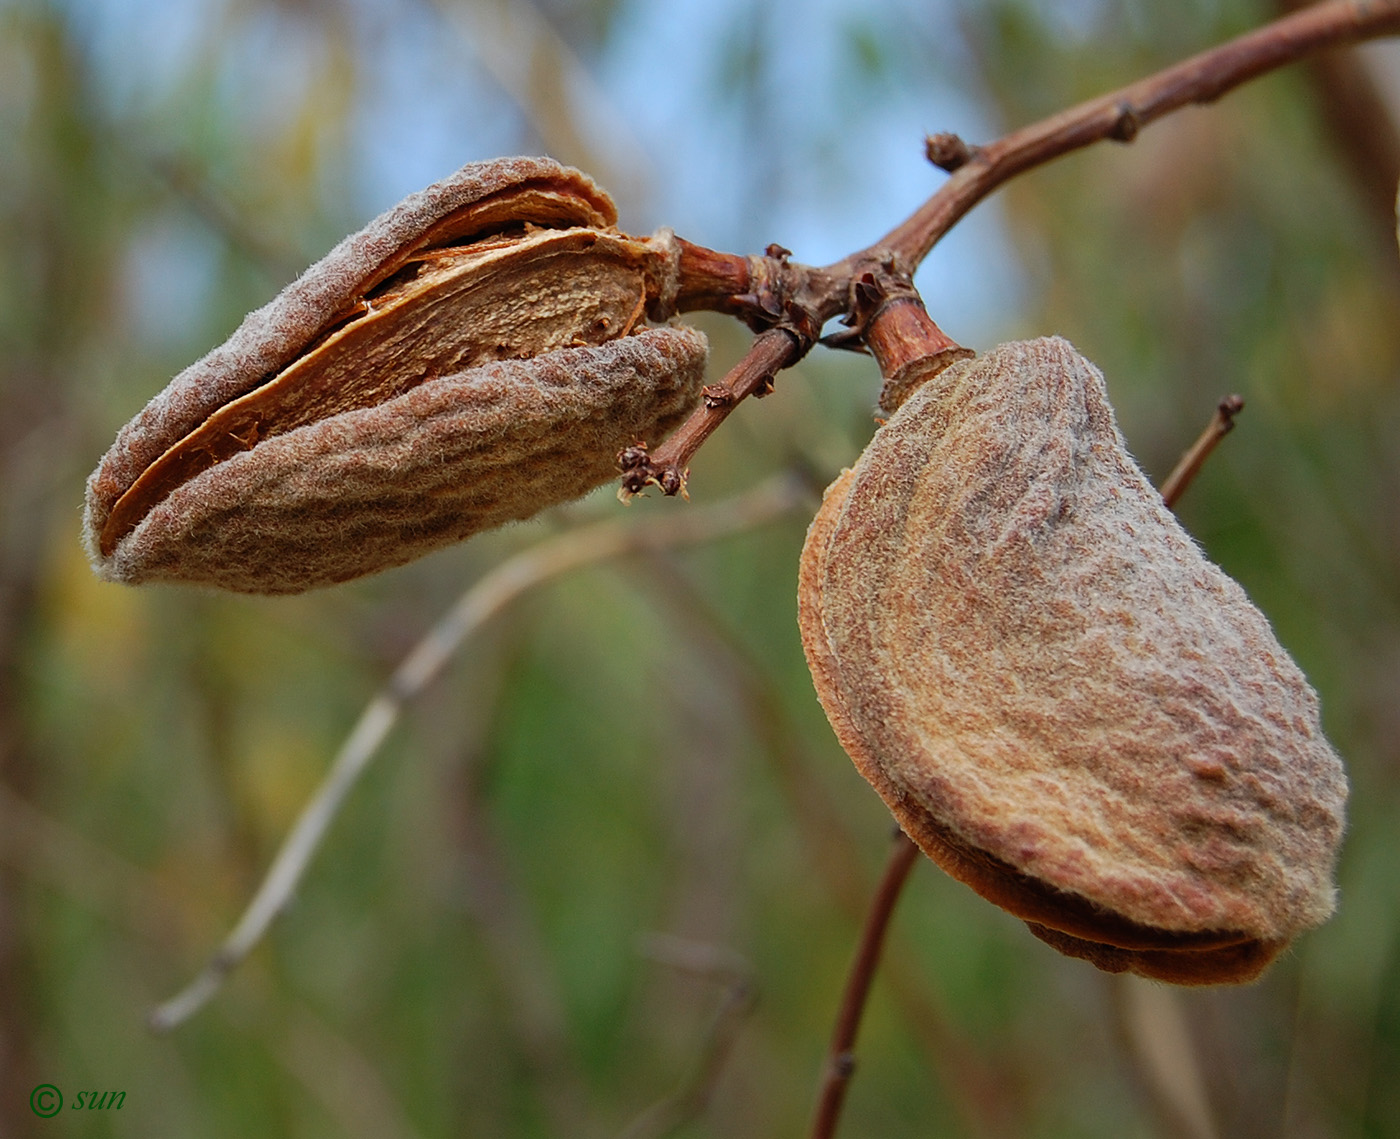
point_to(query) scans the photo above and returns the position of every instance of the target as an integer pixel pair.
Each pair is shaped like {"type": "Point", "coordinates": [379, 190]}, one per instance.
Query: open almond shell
{"type": "Point", "coordinates": [476, 354]}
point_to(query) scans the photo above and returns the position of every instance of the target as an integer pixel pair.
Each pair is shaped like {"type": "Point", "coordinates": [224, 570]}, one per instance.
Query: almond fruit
{"type": "Point", "coordinates": [1060, 699]}
{"type": "Point", "coordinates": [476, 354]}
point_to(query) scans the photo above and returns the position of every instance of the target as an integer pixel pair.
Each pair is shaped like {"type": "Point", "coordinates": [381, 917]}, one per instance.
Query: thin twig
{"type": "Point", "coordinates": [840, 1060]}
{"type": "Point", "coordinates": [668, 468]}
{"type": "Point", "coordinates": [689, 1100]}
{"type": "Point", "coordinates": [474, 608]}
{"type": "Point", "coordinates": [1121, 114]}
{"type": "Point", "coordinates": [977, 1090]}
{"type": "Point", "coordinates": [1220, 425]}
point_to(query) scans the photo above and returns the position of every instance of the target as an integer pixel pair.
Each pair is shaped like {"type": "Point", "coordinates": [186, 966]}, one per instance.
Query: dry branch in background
{"type": "Point", "coordinates": [516, 575]}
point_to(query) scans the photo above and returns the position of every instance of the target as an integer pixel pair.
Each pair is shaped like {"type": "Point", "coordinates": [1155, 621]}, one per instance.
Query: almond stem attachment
{"type": "Point", "coordinates": [709, 278]}
{"type": "Point", "coordinates": [889, 316]}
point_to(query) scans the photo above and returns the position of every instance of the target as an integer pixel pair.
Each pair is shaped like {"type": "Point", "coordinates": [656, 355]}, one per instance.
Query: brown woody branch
{"type": "Point", "coordinates": [710, 278]}
{"type": "Point", "coordinates": [1121, 114]}
{"type": "Point", "coordinates": [789, 302]}
{"type": "Point", "coordinates": [668, 468]}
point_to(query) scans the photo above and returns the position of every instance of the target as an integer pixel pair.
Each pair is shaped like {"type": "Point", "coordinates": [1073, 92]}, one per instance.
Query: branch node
{"type": "Point", "coordinates": [886, 316]}
{"type": "Point", "coordinates": [640, 471]}
{"type": "Point", "coordinates": [714, 395]}
{"type": "Point", "coordinates": [1127, 123]}
{"type": "Point", "coordinates": [777, 299]}
{"type": "Point", "coordinates": [948, 151]}
{"type": "Point", "coordinates": [672, 482]}
{"type": "Point", "coordinates": [633, 457]}
{"type": "Point", "coordinates": [1228, 408]}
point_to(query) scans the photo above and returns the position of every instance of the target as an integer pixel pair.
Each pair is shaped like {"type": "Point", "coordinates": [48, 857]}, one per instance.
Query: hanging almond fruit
{"type": "Point", "coordinates": [472, 356]}
{"type": "Point", "coordinates": [1060, 699]}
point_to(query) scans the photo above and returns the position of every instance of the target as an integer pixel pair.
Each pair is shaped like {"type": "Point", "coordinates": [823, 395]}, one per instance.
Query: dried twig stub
{"type": "Point", "coordinates": [474, 355]}
{"type": "Point", "coordinates": [1060, 699]}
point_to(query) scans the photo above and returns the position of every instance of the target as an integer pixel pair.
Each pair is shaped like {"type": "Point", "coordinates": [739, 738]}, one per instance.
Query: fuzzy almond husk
{"type": "Point", "coordinates": [338, 469]}
{"type": "Point", "coordinates": [366, 490]}
{"type": "Point", "coordinates": [1059, 698]}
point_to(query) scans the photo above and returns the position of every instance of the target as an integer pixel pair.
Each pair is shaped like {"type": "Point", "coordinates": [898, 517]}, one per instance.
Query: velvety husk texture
{"type": "Point", "coordinates": [272, 336]}
{"type": "Point", "coordinates": [365, 490]}
{"type": "Point", "coordinates": [373, 488]}
{"type": "Point", "coordinates": [1060, 699]}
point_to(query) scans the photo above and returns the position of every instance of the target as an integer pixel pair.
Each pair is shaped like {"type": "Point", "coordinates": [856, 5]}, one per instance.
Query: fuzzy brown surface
{"type": "Point", "coordinates": [509, 299]}
{"type": "Point", "coordinates": [1072, 924]}
{"type": "Point", "coordinates": [1062, 701]}
{"type": "Point", "coordinates": [369, 489]}
{"type": "Point", "coordinates": [272, 336]}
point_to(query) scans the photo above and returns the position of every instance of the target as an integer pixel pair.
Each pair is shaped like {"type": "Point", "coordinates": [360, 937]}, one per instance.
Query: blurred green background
{"type": "Point", "coordinates": [636, 749]}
